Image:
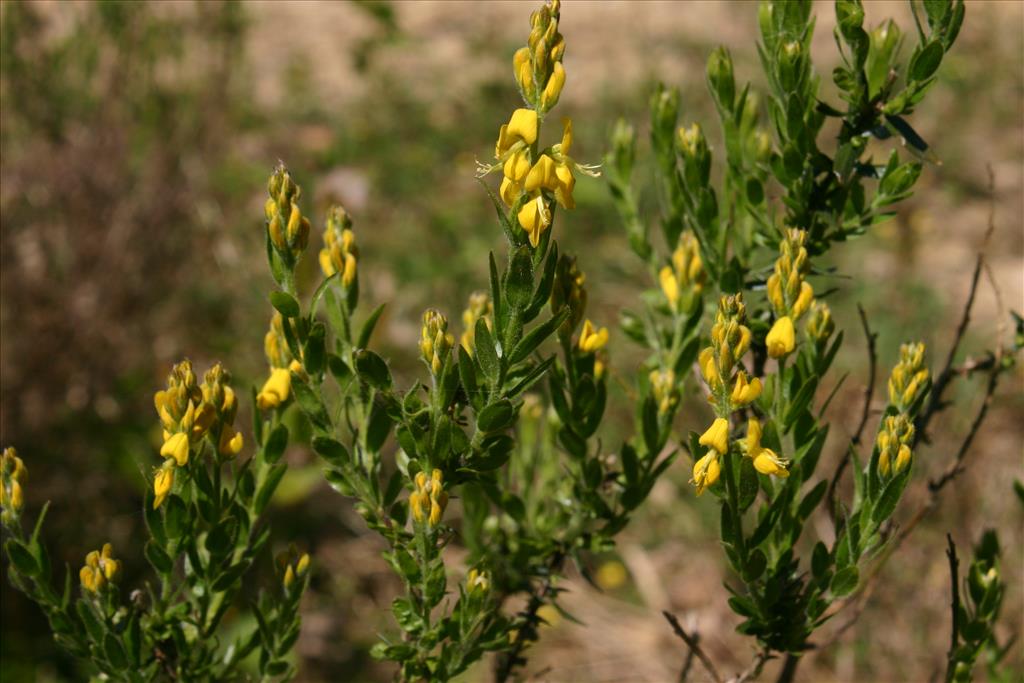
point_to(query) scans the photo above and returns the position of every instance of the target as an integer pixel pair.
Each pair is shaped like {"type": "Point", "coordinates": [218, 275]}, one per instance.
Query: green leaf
{"type": "Point", "coordinates": [756, 563]}
{"type": "Point", "coordinates": [285, 304]}
{"type": "Point", "coordinates": [536, 337]}
{"type": "Point", "coordinates": [314, 353]}
{"type": "Point", "coordinates": [378, 426]}
{"type": "Point", "coordinates": [926, 62]}
{"type": "Point", "coordinates": [114, 652]}
{"type": "Point", "coordinates": [820, 560]}
{"type": "Point", "coordinates": [176, 517]}
{"type": "Point", "coordinates": [748, 484]}
{"type": "Point", "coordinates": [496, 416]}
{"type": "Point", "coordinates": [367, 330]}
{"type": "Point", "coordinates": [845, 581]}
{"type": "Point", "coordinates": [372, 369]}
{"type": "Point", "coordinates": [161, 561]}
{"type": "Point", "coordinates": [221, 539]}
{"type": "Point", "coordinates": [519, 279]}
{"type": "Point", "coordinates": [812, 499]}
{"type": "Point", "coordinates": [310, 402]}
{"type": "Point", "coordinates": [651, 430]}
{"type": "Point", "coordinates": [486, 353]}
{"type": "Point", "coordinates": [339, 369]}
{"type": "Point", "coordinates": [266, 490]}
{"type": "Point", "coordinates": [276, 444]}
{"type": "Point", "coordinates": [332, 451]}
{"type": "Point", "coordinates": [21, 558]}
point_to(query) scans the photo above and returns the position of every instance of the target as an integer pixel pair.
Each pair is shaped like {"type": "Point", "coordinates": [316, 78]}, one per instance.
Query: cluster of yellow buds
{"type": "Point", "coordinates": [538, 66]}
{"type": "Point", "coordinates": [477, 581]}
{"type": "Point", "coordinates": [534, 178]}
{"type": "Point", "coordinates": [217, 393]}
{"type": "Point", "coordinates": [789, 293]}
{"type": "Point", "coordinates": [664, 389]}
{"type": "Point", "coordinates": [686, 274]}
{"type": "Point", "coordinates": [340, 254]}
{"type": "Point", "coordinates": [592, 339]}
{"type": "Point", "coordinates": [429, 499]}
{"type": "Point", "coordinates": [480, 306]}
{"type": "Point", "coordinates": [277, 388]}
{"type": "Point", "coordinates": [568, 290]}
{"type": "Point", "coordinates": [100, 569]}
{"type": "Point", "coordinates": [287, 227]}
{"type": "Point", "coordinates": [894, 444]}
{"type": "Point", "coordinates": [188, 412]}
{"type": "Point", "coordinates": [12, 474]}
{"type": "Point", "coordinates": [292, 566]}
{"type": "Point", "coordinates": [731, 389]}
{"type": "Point", "coordinates": [766, 461]}
{"type": "Point", "coordinates": [910, 378]}
{"type": "Point", "coordinates": [435, 340]}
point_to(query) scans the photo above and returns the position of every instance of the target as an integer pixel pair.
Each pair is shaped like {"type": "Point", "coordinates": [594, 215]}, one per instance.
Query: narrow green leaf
{"type": "Point", "coordinates": [285, 304]}
{"type": "Point", "coordinates": [367, 330]}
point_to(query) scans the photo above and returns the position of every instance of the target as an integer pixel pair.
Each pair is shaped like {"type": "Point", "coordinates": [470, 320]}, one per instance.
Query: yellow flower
{"type": "Point", "coordinates": [717, 435]}
{"type": "Point", "coordinates": [231, 442]}
{"type": "Point", "coordinates": [429, 500]}
{"type": "Point", "coordinates": [176, 447]}
{"type": "Point", "coordinates": [744, 392]}
{"type": "Point", "coordinates": [275, 390]}
{"type": "Point", "coordinates": [592, 339]}
{"type": "Point", "coordinates": [477, 581]}
{"type": "Point", "coordinates": [535, 218]}
{"type": "Point", "coordinates": [100, 568]}
{"type": "Point", "coordinates": [781, 339]}
{"type": "Point", "coordinates": [706, 471]}
{"type": "Point", "coordinates": [521, 129]}
{"type": "Point", "coordinates": [162, 484]}
{"type": "Point", "coordinates": [766, 461]}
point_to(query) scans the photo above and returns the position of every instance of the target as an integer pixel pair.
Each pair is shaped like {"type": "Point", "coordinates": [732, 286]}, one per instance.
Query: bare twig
{"type": "Point", "coordinates": [935, 403]}
{"type": "Point", "coordinates": [507, 663]}
{"type": "Point", "coordinates": [869, 392]}
{"type": "Point", "coordinates": [693, 642]}
{"type": "Point", "coordinates": [753, 670]}
{"type": "Point", "coordinates": [954, 580]}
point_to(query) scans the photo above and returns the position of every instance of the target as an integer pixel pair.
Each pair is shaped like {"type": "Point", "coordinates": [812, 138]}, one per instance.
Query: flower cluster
{"type": "Point", "coordinates": [429, 499]}
{"type": "Point", "coordinates": [908, 384]}
{"type": "Point", "coordinates": [684, 275]}
{"type": "Point", "coordinates": [435, 341]}
{"type": "Point", "coordinates": [277, 388]}
{"type": "Point", "coordinates": [340, 253]}
{"type": "Point", "coordinates": [188, 413]}
{"type": "Point", "coordinates": [789, 293]}
{"type": "Point", "coordinates": [12, 474]}
{"type": "Point", "coordinates": [910, 379]}
{"type": "Point", "coordinates": [535, 178]}
{"type": "Point", "coordinates": [292, 566]}
{"type": "Point", "coordinates": [731, 389]}
{"type": "Point", "coordinates": [287, 228]}
{"type": "Point", "coordinates": [480, 307]}
{"type": "Point", "coordinates": [894, 439]}
{"type": "Point", "coordinates": [100, 569]}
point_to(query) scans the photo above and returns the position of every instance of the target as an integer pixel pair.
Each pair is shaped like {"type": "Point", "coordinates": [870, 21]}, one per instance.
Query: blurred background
{"type": "Point", "coordinates": [136, 140]}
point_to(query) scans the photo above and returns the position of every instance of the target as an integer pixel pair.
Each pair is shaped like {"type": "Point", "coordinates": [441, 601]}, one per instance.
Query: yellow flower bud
{"type": "Point", "coordinates": [416, 502]}
{"type": "Point", "coordinates": [663, 389]}
{"type": "Point", "coordinates": [553, 89]}
{"type": "Point", "coordinates": [275, 390]}
{"type": "Point", "coordinates": [176, 447]}
{"type": "Point", "coordinates": [231, 442]}
{"type": "Point", "coordinates": [162, 484]}
{"type": "Point", "coordinates": [477, 581]}
{"type": "Point", "coordinates": [669, 285]}
{"type": "Point", "coordinates": [592, 339]}
{"type": "Point", "coordinates": [709, 369]}
{"type": "Point", "coordinates": [717, 436]}
{"type": "Point", "coordinates": [781, 339]}
{"type": "Point", "coordinates": [803, 301]}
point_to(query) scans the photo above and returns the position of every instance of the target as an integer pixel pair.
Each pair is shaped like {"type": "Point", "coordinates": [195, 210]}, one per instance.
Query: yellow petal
{"type": "Point", "coordinates": [781, 339]}
{"type": "Point", "coordinates": [717, 435]}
